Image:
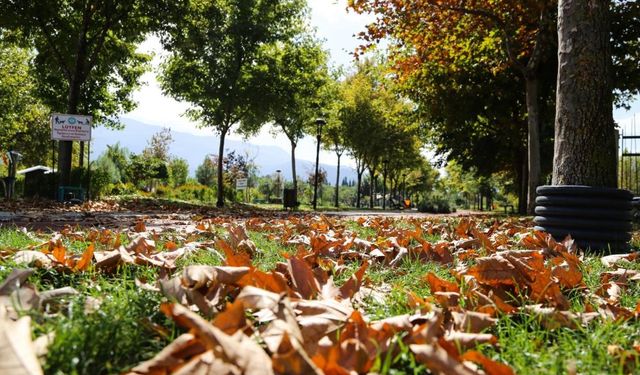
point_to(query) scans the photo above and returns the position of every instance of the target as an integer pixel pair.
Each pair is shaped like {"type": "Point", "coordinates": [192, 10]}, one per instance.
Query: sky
{"type": "Point", "coordinates": [333, 24]}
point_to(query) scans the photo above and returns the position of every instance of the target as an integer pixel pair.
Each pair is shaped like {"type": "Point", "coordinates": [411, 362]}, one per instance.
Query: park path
{"type": "Point", "coordinates": [54, 216]}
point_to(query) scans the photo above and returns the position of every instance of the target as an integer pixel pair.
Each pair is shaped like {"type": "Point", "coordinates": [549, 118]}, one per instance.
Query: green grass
{"type": "Point", "coordinates": [116, 337]}
{"type": "Point", "coordinates": [121, 333]}
{"type": "Point", "coordinates": [532, 349]}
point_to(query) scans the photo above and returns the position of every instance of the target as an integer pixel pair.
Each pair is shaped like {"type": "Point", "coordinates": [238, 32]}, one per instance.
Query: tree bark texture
{"type": "Point", "coordinates": [293, 167]}
{"type": "Point", "coordinates": [337, 200]}
{"type": "Point", "coordinates": [220, 201]}
{"type": "Point", "coordinates": [585, 144]}
{"type": "Point", "coordinates": [533, 140]}
{"type": "Point", "coordinates": [372, 187]}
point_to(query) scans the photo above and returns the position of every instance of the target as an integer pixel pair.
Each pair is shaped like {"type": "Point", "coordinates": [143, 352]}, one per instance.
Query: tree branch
{"type": "Point", "coordinates": [56, 52]}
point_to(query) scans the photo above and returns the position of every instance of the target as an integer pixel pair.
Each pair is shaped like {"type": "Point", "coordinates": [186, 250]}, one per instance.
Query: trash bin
{"type": "Point", "coordinates": [71, 194]}
{"type": "Point", "coordinates": [290, 198]}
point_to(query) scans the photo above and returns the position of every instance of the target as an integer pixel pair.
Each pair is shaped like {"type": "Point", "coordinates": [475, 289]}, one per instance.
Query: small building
{"type": "Point", "coordinates": [37, 181]}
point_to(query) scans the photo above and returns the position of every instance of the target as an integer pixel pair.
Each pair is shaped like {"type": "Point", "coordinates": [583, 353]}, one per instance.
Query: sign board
{"type": "Point", "coordinates": [241, 183]}
{"type": "Point", "coordinates": [71, 127]}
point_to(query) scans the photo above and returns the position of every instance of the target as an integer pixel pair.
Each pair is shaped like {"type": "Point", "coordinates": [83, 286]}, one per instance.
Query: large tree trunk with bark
{"type": "Point", "coordinates": [65, 148]}
{"type": "Point", "coordinates": [220, 201]}
{"type": "Point", "coordinates": [533, 140]}
{"type": "Point", "coordinates": [584, 149]}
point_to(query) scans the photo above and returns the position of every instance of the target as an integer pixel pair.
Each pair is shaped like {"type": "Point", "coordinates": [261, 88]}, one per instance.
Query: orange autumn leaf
{"type": "Point", "coordinates": [437, 284]}
{"type": "Point", "coordinates": [85, 261]}
{"type": "Point", "coordinates": [140, 227]}
{"type": "Point", "coordinates": [59, 252]}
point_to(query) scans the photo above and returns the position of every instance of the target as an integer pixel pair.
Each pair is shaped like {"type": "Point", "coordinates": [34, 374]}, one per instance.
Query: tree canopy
{"type": "Point", "coordinates": [215, 53]}
{"type": "Point", "coordinates": [86, 60]}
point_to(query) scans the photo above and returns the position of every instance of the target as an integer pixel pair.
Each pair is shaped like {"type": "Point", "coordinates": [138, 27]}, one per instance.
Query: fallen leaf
{"type": "Point", "coordinates": [17, 352]}
{"type": "Point", "coordinates": [438, 360]}
{"type": "Point", "coordinates": [15, 280]}
{"type": "Point", "coordinates": [85, 260]}
{"type": "Point", "coordinates": [490, 367]}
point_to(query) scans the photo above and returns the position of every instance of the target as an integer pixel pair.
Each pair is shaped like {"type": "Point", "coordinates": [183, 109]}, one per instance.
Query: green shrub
{"type": "Point", "coordinates": [436, 205]}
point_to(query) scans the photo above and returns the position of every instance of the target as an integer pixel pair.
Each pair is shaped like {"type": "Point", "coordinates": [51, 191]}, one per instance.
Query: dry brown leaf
{"type": "Point", "coordinates": [232, 318]}
{"type": "Point", "coordinates": [197, 276]}
{"type": "Point", "coordinates": [466, 340]}
{"type": "Point", "coordinates": [237, 350]}
{"type": "Point", "coordinates": [611, 260]}
{"type": "Point", "coordinates": [140, 227]}
{"type": "Point", "coordinates": [437, 284]}
{"type": "Point", "coordinates": [17, 352]}
{"type": "Point", "coordinates": [290, 358]}
{"type": "Point", "coordinates": [15, 280]}
{"type": "Point", "coordinates": [348, 289]}
{"type": "Point", "coordinates": [490, 367]}
{"type": "Point", "coordinates": [472, 321]}
{"type": "Point", "coordinates": [303, 278]}
{"type": "Point", "coordinates": [172, 357]}
{"type": "Point", "coordinates": [30, 257]}
{"type": "Point", "coordinates": [284, 322]}
{"type": "Point", "coordinates": [438, 360]}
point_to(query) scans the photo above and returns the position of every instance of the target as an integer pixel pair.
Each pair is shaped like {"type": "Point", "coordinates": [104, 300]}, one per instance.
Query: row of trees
{"type": "Point", "coordinates": [484, 74]}
{"type": "Point", "coordinates": [239, 64]}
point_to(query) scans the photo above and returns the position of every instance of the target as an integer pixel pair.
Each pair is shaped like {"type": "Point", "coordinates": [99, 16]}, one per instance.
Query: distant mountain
{"type": "Point", "coordinates": [194, 148]}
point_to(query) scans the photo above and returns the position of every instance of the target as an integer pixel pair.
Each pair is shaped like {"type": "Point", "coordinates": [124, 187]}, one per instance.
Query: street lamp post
{"type": "Point", "coordinates": [279, 185]}
{"type": "Point", "coordinates": [385, 163]}
{"type": "Point", "coordinates": [404, 187]}
{"type": "Point", "coordinates": [319, 123]}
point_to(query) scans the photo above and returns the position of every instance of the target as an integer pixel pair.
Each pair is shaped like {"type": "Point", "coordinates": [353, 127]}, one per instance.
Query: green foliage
{"type": "Point", "coordinates": [104, 174]}
{"type": "Point", "coordinates": [158, 145]}
{"type": "Point", "coordinates": [179, 171]}
{"type": "Point", "coordinates": [120, 157]}
{"type": "Point", "coordinates": [216, 51]}
{"type": "Point", "coordinates": [188, 192]}
{"type": "Point", "coordinates": [206, 172]}
{"type": "Point", "coordinates": [23, 117]}
{"type": "Point", "coordinates": [143, 169]}
{"type": "Point", "coordinates": [86, 57]}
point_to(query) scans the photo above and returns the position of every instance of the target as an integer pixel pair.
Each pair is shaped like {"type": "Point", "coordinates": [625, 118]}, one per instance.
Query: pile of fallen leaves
{"type": "Point", "coordinates": [294, 319]}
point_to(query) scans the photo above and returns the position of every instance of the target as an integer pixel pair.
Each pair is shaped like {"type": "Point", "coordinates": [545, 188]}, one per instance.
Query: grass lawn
{"type": "Point", "coordinates": [321, 294]}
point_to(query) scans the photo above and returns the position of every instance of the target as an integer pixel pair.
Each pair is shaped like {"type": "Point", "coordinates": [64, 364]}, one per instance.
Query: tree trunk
{"type": "Point", "coordinates": [293, 167]}
{"type": "Point", "coordinates": [585, 144]}
{"type": "Point", "coordinates": [523, 186]}
{"type": "Point", "coordinates": [533, 141]}
{"type": "Point", "coordinates": [337, 200]}
{"type": "Point", "coordinates": [372, 185]}
{"type": "Point", "coordinates": [220, 201]}
{"type": "Point", "coordinates": [358, 188]}
{"type": "Point", "coordinates": [65, 148]}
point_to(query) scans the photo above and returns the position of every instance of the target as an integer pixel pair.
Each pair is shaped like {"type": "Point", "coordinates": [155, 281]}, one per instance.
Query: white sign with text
{"type": "Point", "coordinates": [241, 183]}
{"type": "Point", "coordinates": [71, 127]}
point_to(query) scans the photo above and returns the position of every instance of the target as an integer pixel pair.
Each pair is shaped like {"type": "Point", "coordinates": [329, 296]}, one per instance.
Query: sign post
{"type": "Point", "coordinates": [71, 127]}
{"type": "Point", "coordinates": [68, 127]}
{"type": "Point", "coordinates": [242, 184]}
